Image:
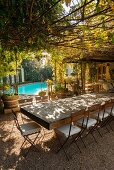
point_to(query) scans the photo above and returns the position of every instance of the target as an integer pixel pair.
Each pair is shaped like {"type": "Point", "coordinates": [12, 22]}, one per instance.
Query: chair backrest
{"type": "Point", "coordinates": [90, 111]}
{"type": "Point", "coordinates": [100, 108]}
{"type": "Point", "coordinates": [77, 115]}
{"type": "Point", "coordinates": [94, 107]}
{"type": "Point", "coordinates": [16, 120]}
{"type": "Point", "coordinates": [112, 101]}
{"type": "Point", "coordinates": [72, 119]}
{"type": "Point", "coordinates": [109, 105]}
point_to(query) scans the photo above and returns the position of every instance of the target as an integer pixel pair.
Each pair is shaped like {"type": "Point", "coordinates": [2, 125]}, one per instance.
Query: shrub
{"type": "Point", "coordinates": [59, 88]}
{"type": "Point", "coordinates": [42, 93]}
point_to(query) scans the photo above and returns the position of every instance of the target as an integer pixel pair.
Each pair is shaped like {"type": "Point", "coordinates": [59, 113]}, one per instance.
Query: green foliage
{"type": "Point", "coordinates": [7, 63]}
{"type": "Point", "coordinates": [92, 72]}
{"type": "Point", "coordinates": [33, 71]}
{"type": "Point", "coordinates": [111, 36]}
{"type": "Point", "coordinates": [42, 93]}
{"type": "Point", "coordinates": [57, 55]}
{"type": "Point", "coordinates": [26, 23]}
{"type": "Point", "coordinates": [49, 82]}
{"type": "Point", "coordinates": [59, 88]}
{"type": "Point", "coordinates": [7, 89]}
{"type": "Point", "coordinates": [45, 73]}
{"type": "Point", "coordinates": [10, 60]}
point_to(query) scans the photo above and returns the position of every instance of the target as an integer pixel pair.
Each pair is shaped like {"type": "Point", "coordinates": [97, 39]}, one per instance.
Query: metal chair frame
{"type": "Point", "coordinates": [27, 136]}
{"type": "Point", "coordinates": [85, 128]}
{"type": "Point", "coordinates": [101, 122]}
{"type": "Point", "coordinates": [109, 105]}
{"type": "Point", "coordinates": [93, 109]}
{"type": "Point", "coordinates": [74, 137]}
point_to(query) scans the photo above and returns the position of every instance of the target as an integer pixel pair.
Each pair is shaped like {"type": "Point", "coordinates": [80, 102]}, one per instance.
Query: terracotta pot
{"type": "Point", "coordinates": [10, 101]}
{"type": "Point", "coordinates": [42, 94]}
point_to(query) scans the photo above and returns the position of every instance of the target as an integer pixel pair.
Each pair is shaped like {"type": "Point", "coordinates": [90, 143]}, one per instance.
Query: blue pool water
{"type": "Point", "coordinates": [32, 89]}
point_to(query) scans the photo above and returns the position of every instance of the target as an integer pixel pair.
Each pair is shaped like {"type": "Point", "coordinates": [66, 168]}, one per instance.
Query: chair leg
{"type": "Point", "coordinates": [83, 142]}
{"type": "Point", "coordinates": [99, 132]}
{"type": "Point", "coordinates": [108, 122]}
{"type": "Point", "coordinates": [110, 127]}
{"type": "Point", "coordinates": [79, 136]}
{"type": "Point", "coordinates": [66, 154]}
{"type": "Point", "coordinates": [62, 147]}
{"type": "Point", "coordinates": [105, 122]}
{"type": "Point", "coordinates": [31, 142]}
{"type": "Point", "coordinates": [25, 155]}
{"type": "Point", "coordinates": [74, 140]}
{"type": "Point", "coordinates": [107, 129]}
{"type": "Point", "coordinates": [94, 137]}
{"type": "Point", "coordinates": [23, 144]}
{"type": "Point", "coordinates": [91, 132]}
{"type": "Point", "coordinates": [77, 146]}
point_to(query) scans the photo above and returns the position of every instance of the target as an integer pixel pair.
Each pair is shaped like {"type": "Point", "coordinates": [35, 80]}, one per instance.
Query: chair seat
{"type": "Point", "coordinates": [101, 115]}
{"type": "Point", "coordinates": [64, 130]}
{"type": "Point", "coordinates": [29, 128]}
{"type": "Point", "coordinates": [91, 122]}
{"type": "Point", "coordinates": [108, 110]}
{"type": "Point", "coordinates": [112, 113]}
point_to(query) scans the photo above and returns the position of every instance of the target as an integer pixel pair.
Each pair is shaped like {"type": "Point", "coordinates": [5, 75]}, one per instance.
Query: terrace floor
{"type": "Point", "coordinates": [95, 157]}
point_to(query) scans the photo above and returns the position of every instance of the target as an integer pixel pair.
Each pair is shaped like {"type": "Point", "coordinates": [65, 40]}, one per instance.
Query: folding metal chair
{"type": "Point", "coordinates": [101, 116]}
{"type": "Point", "coordinates": [87, 123]}
{"type": "Point", "coordinates": [69, 131]}
{"type": "Point", "coordinates": [27, 130]}
{"type": "Point", "coordinates": [109, 108]}
{"type": "Point", "coordinates": [112, 109]}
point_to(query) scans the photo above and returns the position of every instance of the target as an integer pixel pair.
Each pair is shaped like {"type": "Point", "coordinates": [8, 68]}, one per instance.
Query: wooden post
{"type": "Point", "coordinates": [83, 71]}
{"type": "Point", "coordinates": [16, 86]}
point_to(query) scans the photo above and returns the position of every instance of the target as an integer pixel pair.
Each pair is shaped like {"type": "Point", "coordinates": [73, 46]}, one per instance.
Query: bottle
{"type": "Point", "coordinates": [34, 101]}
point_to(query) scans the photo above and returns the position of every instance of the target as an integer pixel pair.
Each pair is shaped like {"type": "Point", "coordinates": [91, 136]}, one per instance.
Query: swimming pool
{"type": "Point", "coordinates": [32, 89]}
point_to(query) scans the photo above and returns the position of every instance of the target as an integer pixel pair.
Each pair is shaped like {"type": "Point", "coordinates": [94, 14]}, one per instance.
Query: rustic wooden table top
{"type": "Point", "coordinates": [53, 114]}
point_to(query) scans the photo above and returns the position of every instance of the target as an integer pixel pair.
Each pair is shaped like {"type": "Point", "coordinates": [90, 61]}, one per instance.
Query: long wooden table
{"type": "Point", "coordinates": [53, 114]}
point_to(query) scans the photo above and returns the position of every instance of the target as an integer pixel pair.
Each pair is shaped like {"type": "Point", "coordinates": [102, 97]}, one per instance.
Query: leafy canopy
{"type": "Point", "coordinates": [27, 23]}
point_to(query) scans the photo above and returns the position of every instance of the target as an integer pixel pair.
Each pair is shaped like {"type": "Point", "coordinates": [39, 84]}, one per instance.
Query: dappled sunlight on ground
{"type": "Point", "coordinates": [96, 156]}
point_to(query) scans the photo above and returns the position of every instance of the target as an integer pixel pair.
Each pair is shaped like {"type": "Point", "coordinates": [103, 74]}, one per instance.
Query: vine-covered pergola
{"type": "Point", "coordinates": [84, 29]}
{"type": "Point", "coordinates": [87, 29]}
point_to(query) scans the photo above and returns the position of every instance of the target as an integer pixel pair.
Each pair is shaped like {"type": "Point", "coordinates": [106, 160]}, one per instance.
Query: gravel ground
{"type": "Point", "coordinates": [95, 157]}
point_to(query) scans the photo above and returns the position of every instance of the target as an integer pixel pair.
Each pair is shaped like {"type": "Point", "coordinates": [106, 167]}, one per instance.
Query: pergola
{"type": "Point", "coordinates": [84, 31]}
{"type": "Point", "coordinates": [84, 26]}
{"type": "Point", "coordinates": [103, 55]}
{"type": "Point", "coordinates": [87, 30]}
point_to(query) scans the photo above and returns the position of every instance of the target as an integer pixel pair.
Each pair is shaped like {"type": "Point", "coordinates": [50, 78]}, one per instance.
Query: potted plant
{"type": "Point", "coordinates": [9, 97]}
{"type": "Point", "coordinates": [42, 94]}
{"type": "Point", "coordinates": [9, 67]}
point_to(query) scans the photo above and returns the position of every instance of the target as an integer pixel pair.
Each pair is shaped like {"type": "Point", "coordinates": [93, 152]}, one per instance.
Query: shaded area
{"type": "Point", "coordinates": [97, 156]}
